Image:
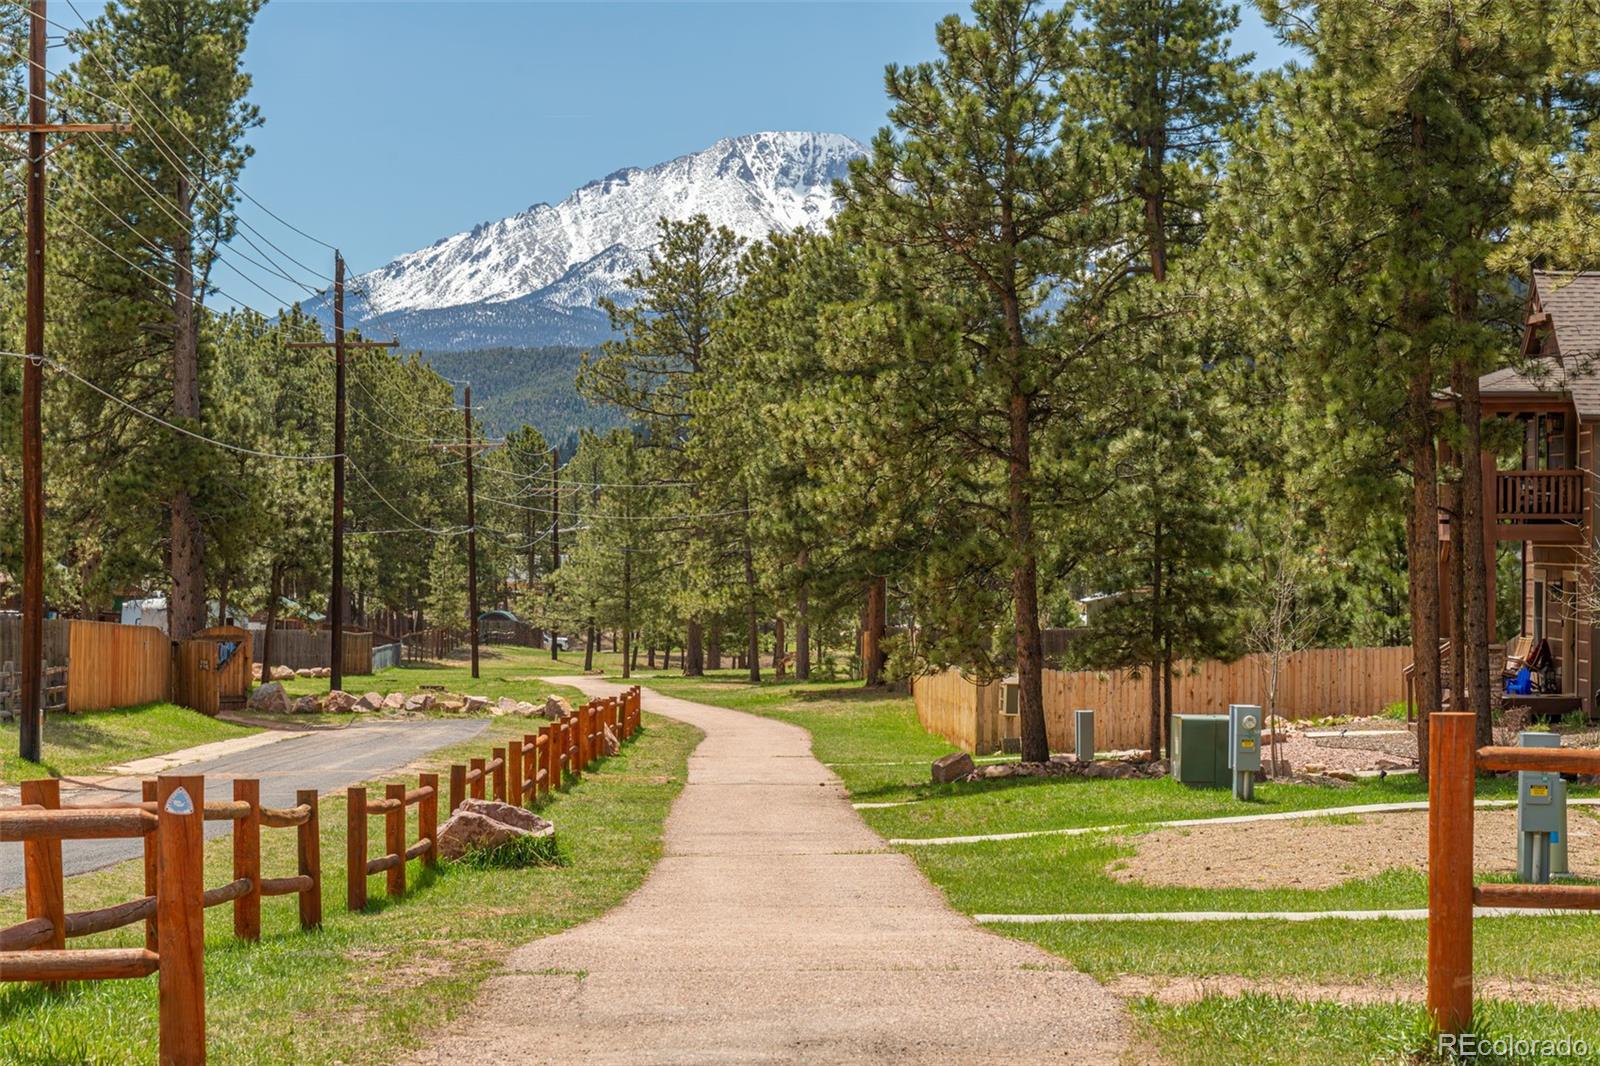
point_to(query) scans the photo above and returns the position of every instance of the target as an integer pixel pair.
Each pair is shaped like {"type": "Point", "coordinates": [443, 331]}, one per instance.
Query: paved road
{"type": "Point", "coordinates": [325, 760]}
{"type": "Point", "coordinates": [778, 928]}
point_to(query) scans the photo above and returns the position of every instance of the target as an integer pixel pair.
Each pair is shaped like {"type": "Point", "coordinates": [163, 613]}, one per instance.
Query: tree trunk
{"type": "Point", "coordinates": [714, 647]}
{"type": "Point", "coordinates": [589, 639]}
{"type": "Point", "coordinates": [1166, 692]}
{"type": "Point", "coordinates": [694, 655]}
{"type": "Point", "coordinates": [1025, 584]}
{"type": "Point", "coordinates": [274, 576]}
{"type": "Point", "coordinates": [779, 643]}
{"type": "Point", "coordinates": [1477, 555]}
{"type": "Point", "coordinates": [1155, 646]}
{"type": "Point", "coordinates": [187, 604]}
{"type": "Point", "coordinates": [650, 657]}
{"type": "Point", "coordinates": [1422, 554]}
{"type": "Point", "coordinates": [872, 627]}
{"type": "Point", "coordinates": [802, 633]}
{"type": "Point", "coordinates": [752, 612]}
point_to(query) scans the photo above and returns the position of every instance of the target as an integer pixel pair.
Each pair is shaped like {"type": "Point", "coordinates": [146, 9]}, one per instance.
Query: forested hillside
{"type": "Point", "coordinates": [526, 386]}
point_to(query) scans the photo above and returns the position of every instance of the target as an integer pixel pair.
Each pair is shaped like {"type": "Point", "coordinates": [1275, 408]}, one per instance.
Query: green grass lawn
{"type": "Point", "coordinates": [368, 987]}
{"type": "Point", "coordinates": [875, 744]}
{"type": "Point", "coordinates": [95, 740]}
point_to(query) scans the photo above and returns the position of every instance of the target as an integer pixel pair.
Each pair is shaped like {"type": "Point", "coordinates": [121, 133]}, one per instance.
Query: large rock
{"type": "Point", "coordinates": [394, 701]}
{"type": "Point", "coordinates": [475, 704]}
{"type": "Point", "coordinates": [511, 815]}
{"type": "Point", "coordinates": [474, 826]}
{"type": "Point", "coordinates": [953, 767]}
{"type": "Point", "coordinates": [306, 671]}
{"type": "Point", "coordinates": [451, 704]}
{"type": "Point", "coordinates": [555, 707]}
{"type": "Point", "coordinates": [339, 702]}
{"type": "Point", "coordinates": [422, 701]}
{"type": "Point", "coordinates": [270, 698]}
{"type": "Point", "coordinates": [281, 673]}
{"type": "Point", "coordinates": [370, 702]}
{"type": "Point", "coordinates": [307, 705]}
{"type": "Point", "coordinates": [505, 705]}
{"type": "Point", "coordinates": [525, 709]}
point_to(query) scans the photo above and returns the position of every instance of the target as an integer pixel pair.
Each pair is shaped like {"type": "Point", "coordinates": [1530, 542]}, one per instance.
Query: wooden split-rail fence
{"type": "Point", "coordinates": [170, 818]}
{"type": "Point", "coordinates": [1454, 762]}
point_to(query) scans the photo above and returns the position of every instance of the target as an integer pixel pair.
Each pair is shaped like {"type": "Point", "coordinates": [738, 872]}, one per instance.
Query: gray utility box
{"type": "Point", "coordinates": [1200, 750]}
{"type": "Point", "coordinates": [1083, 735]}
{"type": "Point", "coordinates": [1244, 748]}
{"type": "Point", "coordinates": [1541, 816]}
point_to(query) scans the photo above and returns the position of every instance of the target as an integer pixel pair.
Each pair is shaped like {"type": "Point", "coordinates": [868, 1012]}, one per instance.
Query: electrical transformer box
{"type": "Point", "coordinates": [1200, 750]}
{"type": "Point", "coordinates": [1539, 793]}
{"type": "Point", "coordinates": [1244, 737]}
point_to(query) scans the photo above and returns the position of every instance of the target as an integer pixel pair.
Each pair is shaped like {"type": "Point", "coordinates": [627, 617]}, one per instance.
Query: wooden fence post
{"type": "Point", "coordinates": [478, 764]}
{"type": "Point", "coordinates": [394, 837]}
{"type": "Point", "coordinates": [147, 793]}
{"type": "Point", "coordinates": [1452, 774]}
{"type": "Point", "coordinates": [309, 842]}
{"type": "Point", "coordinates": [356, 847]}
{"type": "Point", "coordinates": [41, 867]}
{"type": "Point", "coordinates": [585, 717]}
{"type": "Point", "coordinates": [530, 765]}
{"type": "Point", "coordinates": [428, 818]}
{"type": "Point", "coordinates": [458, 785]}
{"type": "Point", "coordinates": [247, 860]}
{"type": "Point", "coordinates": [499, 757]}
{"type": "Point", "coordinates": [514, 772]}
{"type": "Point", "coordinates": [180, 919]}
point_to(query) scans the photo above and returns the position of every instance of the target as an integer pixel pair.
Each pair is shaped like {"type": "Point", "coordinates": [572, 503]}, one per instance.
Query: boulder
{"type": "Point", "coordinates": [452, 704]}
{"type": "Point", "coordinates": [555, 707]}
{"type": "Point", "coordinates": [307, 705]}
{"type": "Point", "coordinates": [510, 814]}
{"type": "Point", "coordinates": [281, 673]}
{"type": "Point", "coordinates": [474, 704]}
{"type": "Point", "coordinates": [394, 701]}
{"type": "Point", "coordinates": [525, 709]}
{"type": "Point", "coordinates": [370, 702]}
{"type": "Point", "coordinates": [422, 701]}
{"type": "Point", "coordinates": [270, 698]}
{"type": "Point", "coordinates": [305, 671]}
{"type": "Point", "coordinates": [506, 705]}
{"type": "Point", "coordinates": [953, 767]}
{"type": "Point", "coordinates": [609, 741]}
{"type": "Point", "coordinates": [339, 702]}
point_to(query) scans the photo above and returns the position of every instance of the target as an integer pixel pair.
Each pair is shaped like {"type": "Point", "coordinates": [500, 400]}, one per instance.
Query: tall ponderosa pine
{"type": "Point", "coordinates": [973, 199]}
{"type": "Point", "coordinates": [680, 299]}
{"type": "Point", "coordinates": [161, 202]}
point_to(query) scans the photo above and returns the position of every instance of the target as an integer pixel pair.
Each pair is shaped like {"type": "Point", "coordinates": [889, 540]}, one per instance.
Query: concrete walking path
{"type": "Point", "coordinates": [777, 928]}
{"type": "Point", "coordinates": [324, 760]}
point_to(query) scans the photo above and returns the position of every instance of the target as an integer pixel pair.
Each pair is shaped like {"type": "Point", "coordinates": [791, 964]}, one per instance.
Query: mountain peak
{"type": "Point", "coordinates": [560, 258]}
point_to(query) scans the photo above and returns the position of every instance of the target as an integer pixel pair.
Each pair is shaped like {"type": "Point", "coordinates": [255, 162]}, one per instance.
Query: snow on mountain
{"type": "Point", "coordinates": [533, 278]}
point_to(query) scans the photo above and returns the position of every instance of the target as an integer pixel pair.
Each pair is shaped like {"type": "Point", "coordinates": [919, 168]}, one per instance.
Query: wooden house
{"type": "Point", "coordinates": [1545, 496]}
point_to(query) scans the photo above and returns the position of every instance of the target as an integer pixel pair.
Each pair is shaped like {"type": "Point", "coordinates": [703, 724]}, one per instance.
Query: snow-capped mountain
{"type": "Point", "coordinates": [533, 278]}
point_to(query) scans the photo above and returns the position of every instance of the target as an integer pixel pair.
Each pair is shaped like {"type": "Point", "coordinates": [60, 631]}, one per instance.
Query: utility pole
{"type": "Point", "coordinates": [37, 127]}
{"type": "Point", "coordinates": [555, 536]}
{"type": "Point", "coordinates": [340, 346]}
{"type": "Point", "coordinates": [472, 541]}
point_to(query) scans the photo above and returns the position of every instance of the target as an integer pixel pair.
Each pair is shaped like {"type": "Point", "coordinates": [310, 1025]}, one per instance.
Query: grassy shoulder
{"type": "Point", "coordinates": [93, 741]}
{"type": "Point", "coordinates": [368, 986]}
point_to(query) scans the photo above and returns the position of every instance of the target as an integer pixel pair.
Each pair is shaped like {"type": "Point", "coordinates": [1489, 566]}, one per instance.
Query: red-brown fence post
{"type": "Point", "coordinates": [247, 860]}
{"type": "Point", "coordinates": [180, 919]}
{"type": "Point", "coordinates": [394, 837]}
{"type": "Point", "coordinates": [499, 759]}
{"type": "Point", "coordinates": [585, 718]}
{"type": "Point", "coordinates": [147, 793]}
{"type": "Point", "coordinates": [356, 847]}
{"type": "Point", "coordinates": [514, 772]}
{"type": "Point", "coordinates": [476, 791]}
{"type": "Point", "coordinates": [1452, 776]}
{"type": "Point", "coordinates": [41, 867]}
{"type": "Point", "coordinates": [428, 818]}
{"type": "Point", "coordinates": [309, 845]}
{"type": "Point", "coordinates": [458, 785]}
{"type": "Point", "coordinates": [530, 766]}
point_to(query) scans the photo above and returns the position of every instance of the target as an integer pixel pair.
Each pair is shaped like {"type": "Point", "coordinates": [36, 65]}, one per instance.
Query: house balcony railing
{"type": "Point", "coordinates": [1539, 495]}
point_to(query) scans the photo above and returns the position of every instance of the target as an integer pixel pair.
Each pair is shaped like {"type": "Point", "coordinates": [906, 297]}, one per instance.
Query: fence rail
{"type": "Point", "coordinates": [1454, 762]}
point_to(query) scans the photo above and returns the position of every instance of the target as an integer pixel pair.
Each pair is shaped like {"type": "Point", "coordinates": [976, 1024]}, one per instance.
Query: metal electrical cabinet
{"type": "Point", "coordinates": [1200, 750]}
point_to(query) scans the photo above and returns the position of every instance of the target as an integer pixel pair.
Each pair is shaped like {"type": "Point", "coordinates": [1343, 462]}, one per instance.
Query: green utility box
{"type": "Point", "coordinates": [1200, 750]}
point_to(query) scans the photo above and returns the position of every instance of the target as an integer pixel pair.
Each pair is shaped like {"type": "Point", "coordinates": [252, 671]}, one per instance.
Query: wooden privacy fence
{"type": "Point", "coordinates": [170, 820]}
{"type": "Point", "coordinates": [427, 645]}
{"type": "Point", "coordinates": [311, 649]}
{"type": "Point", "coordinates": [1312, 683]}
{"type": "Point", "coordinates": [1453, 764]}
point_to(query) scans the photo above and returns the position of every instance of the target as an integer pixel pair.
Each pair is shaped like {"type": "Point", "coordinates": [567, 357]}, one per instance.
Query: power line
{"type": "Point", "coordinates": [142, 413]}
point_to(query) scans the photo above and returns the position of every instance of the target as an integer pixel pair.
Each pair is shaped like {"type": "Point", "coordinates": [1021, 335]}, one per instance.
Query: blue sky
{"type": "Point", "coordinates": [392, 124]}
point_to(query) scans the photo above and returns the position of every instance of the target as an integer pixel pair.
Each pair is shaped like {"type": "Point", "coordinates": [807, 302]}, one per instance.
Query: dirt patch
{"type": "Point", "coordinates": [1323, 852]}
{"type": "Point", "coordinates": [1181, 990]}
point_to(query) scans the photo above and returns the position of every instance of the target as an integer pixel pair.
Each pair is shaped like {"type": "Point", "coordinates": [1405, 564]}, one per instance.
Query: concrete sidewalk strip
{"type": "Point", "coordinates": [1182, 823]}
{"type": "Point", "coordinates": [1405, 915]}
{"type": "Point", "coordinates": [156, 764]}
{"type": "Point", "coordinates": [777, 927]}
